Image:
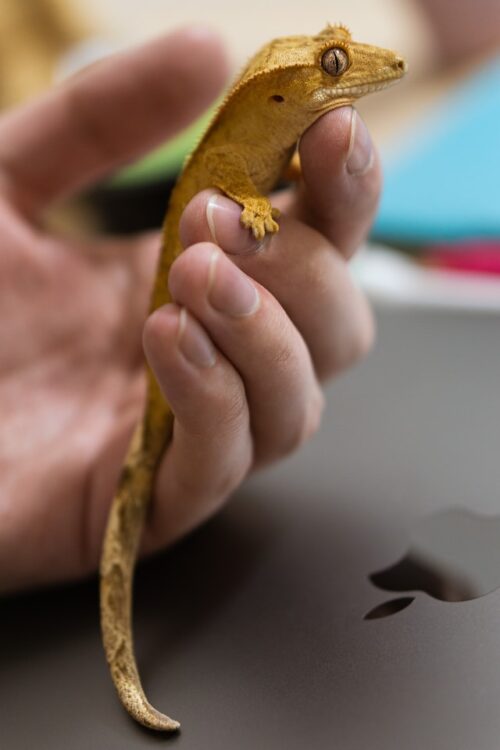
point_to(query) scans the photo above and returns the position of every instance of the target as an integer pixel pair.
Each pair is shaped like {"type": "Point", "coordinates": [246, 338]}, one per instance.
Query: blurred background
{"type": "Point", "coordinates": [436, 241]}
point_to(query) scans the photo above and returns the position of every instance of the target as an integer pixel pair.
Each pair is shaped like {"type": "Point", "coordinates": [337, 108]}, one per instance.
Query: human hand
{"type": "Point", "coordinates": [469, 27]}
{"type": "Point", "coordinates": [244, 388]}
{"type": "Point", "coordinates": [72, 311]}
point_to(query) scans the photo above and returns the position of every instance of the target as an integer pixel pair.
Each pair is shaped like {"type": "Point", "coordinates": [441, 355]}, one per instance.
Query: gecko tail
{"type": "Point", "coordinates": [128, 686]}
{"type": "Point", "coordinates": [132, 696]}
{"type": "Point", "coordinates": [121, 543]}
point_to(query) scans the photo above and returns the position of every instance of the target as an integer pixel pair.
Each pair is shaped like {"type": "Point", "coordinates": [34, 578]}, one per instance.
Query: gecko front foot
{"type": "Point", "coordinates": [259, 216]}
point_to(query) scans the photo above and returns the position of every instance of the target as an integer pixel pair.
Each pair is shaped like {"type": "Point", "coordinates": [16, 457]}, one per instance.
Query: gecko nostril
{"type": "Point", "coordinates": [400, 64]}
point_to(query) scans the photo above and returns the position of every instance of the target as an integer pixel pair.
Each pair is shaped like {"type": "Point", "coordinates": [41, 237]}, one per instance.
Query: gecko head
{"type": "Point", "coordinates": [347, 69]}
{"type": "Point", "coordinates": [330, 69]}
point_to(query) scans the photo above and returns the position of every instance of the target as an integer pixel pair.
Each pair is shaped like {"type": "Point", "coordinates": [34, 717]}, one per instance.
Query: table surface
{"type": "Point", "coordinates": [234, 627]}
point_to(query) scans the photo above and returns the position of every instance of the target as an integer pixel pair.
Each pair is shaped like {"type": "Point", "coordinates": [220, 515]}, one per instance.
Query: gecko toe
{"type": "Point", "coordinates": [271, 225]}
{"type": "Point", "coordinates": [258, 230]}
{"type": "Point", "coordinates": [260, 217]}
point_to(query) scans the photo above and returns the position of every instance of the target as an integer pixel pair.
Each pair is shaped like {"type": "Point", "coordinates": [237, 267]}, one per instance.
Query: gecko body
{"type": "Point", "coordinates": [287, 85]}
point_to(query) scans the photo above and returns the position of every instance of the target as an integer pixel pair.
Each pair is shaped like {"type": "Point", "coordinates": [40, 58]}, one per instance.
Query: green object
{"type": "Point", "coordinates": [165, 161]}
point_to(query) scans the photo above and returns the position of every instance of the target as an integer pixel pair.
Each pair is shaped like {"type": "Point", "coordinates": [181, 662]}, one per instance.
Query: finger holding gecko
{"type": "Point", "coordinates": [302, 265]}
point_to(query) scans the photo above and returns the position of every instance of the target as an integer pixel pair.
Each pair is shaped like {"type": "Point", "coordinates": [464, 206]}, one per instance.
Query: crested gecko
{"type": "Point", "coordinates": [285, 87]}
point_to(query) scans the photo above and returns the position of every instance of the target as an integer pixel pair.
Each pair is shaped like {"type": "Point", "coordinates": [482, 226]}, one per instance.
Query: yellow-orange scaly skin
{"type": "Point", "coordinates": [281, 92]}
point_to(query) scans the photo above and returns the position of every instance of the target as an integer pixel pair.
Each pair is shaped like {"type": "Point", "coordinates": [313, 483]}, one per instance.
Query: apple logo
{"type": "Point", "coordinates": [453, 556]}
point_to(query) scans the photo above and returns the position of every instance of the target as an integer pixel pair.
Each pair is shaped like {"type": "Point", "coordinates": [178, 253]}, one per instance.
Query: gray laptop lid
{"type": "Point", "coordinates": [254, 631]}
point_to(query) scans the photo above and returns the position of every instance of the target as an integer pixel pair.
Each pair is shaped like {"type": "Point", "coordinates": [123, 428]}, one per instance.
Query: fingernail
{"type": "Point", "coordinates": [360, 153]}
{"type": "Point", "coordinates": [229, 290]}
{"type": "Point", "coordinates": [223, 219]}
{"type": "Point", "coordinates": [193, 342]}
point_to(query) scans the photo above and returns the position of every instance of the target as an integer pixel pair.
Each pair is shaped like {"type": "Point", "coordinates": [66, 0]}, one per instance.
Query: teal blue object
{"type": "Point", "coordinates": [442, 182]}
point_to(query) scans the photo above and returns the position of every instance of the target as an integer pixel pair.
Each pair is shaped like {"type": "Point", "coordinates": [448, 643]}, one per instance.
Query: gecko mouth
{"type": "Point", "coordinates": [325, 95]}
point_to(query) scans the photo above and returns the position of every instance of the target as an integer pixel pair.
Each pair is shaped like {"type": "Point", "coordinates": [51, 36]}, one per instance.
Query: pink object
{"type": "Point", "coordinates": [477, 256]}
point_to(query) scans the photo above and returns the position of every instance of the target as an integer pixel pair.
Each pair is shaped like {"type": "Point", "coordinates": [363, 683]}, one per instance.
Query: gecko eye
{"type": "Point", "coordinates": [335, 61]}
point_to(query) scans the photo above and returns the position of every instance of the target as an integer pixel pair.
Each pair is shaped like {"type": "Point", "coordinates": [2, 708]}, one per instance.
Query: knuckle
{"type": "Point", "coordinates": [232, 411]}
{"type": "Point", "coordinates": [235, 408]}
{"type": "Point", "coordinates": [227, 418]}
{"type": "Point", "coordinates": [283, 355]}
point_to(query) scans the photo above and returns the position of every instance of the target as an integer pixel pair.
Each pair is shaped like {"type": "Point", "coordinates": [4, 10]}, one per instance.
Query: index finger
{"type": "Point", "coordinates": [106, 115]}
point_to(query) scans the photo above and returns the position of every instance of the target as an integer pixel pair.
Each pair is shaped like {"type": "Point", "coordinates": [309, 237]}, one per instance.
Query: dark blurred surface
{"type": "Point", "coordinates": [251, 632]}
{"type": "Point", "coordinates": [126, 210]}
